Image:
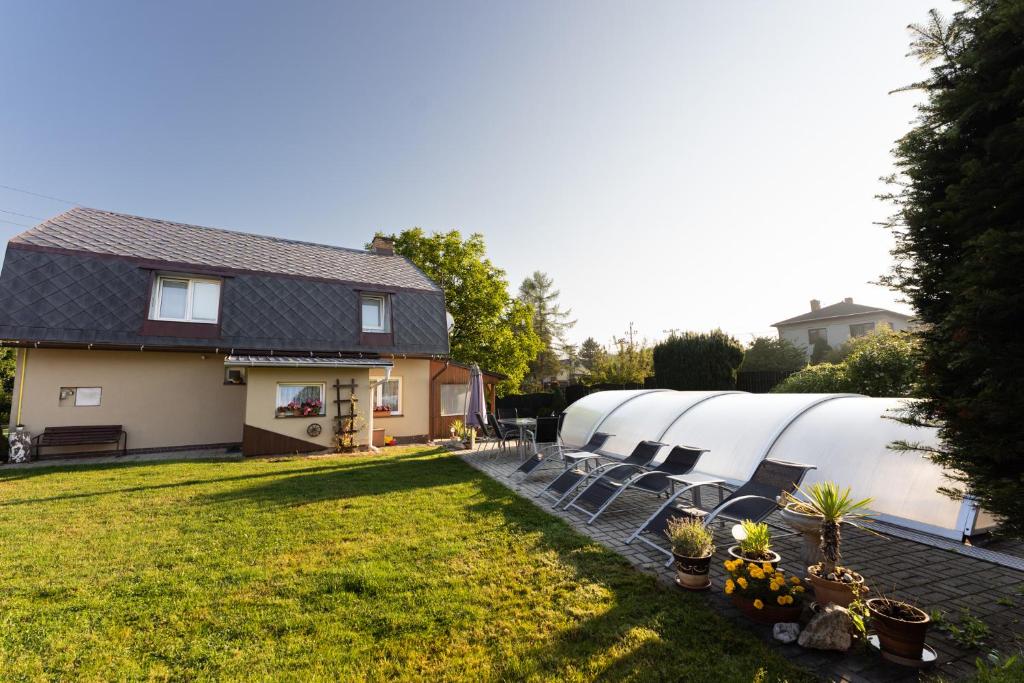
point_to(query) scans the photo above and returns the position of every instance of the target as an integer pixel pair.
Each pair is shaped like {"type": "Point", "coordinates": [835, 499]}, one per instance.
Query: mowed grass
{"type": "Point", "coordinates": [411, 566]}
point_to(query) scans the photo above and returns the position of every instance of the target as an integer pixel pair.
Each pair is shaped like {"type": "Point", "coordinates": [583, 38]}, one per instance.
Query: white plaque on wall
{"type": "Point", "coordinates": [88, 396]}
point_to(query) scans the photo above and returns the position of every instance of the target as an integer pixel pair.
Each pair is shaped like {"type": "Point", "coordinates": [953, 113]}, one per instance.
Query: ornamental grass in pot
{"type": "Point", "coordinates": [763, 593]}
{"type": "Point", "coordinates": [754, 543]}
{"type": "Point", "coordinates": [692, 546]}
{"type": "Point", "coordinates": [901, 627]}
{"type": "Point", "coordinates": [833, 582]}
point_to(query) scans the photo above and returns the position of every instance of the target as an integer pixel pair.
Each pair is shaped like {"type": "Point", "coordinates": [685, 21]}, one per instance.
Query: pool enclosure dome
{"type": "Point", "coordinates": [846, 437]}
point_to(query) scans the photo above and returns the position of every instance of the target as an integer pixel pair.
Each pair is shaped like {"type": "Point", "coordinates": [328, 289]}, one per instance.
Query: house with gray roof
{"type": "Point", "coordinates": [193, 338]}
{"type": "Point", "coordinates": [833, 325]}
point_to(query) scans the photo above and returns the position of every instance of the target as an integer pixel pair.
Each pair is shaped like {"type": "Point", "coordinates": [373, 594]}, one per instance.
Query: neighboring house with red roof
{"type": "Point", "coordinates": [195, 338]}
{"type": "Point", "coordinates": [836, 323]}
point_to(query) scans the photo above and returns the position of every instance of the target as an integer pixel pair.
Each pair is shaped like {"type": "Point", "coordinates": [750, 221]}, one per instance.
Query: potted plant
{"type": "Point", "coordinates": [692, 546]}
{"type": "Point", "coordinates": [831, 581]}
{"type": "Point", "coordinates": [754, 543]}
{"type": "Point", "coordinates": [763, 593]}
{"type": "Point", "coordinates": [457, 428]}
{"type": "Point", "coordinates": [381, 411]}
{"type": "Point", "coordinates": [801, 517]}
{"type": "Point", "coordinates": [900, 626]}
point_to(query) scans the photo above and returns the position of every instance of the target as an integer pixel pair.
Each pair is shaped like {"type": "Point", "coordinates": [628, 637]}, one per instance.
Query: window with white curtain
{"type": "Point", "coordinates": [454, 399]}
{"type": "Point", "coordinates": [300, 400]}
{"type": "Point", "coordinates": [185, 299]}
{"type": "Point", "coordinates": [388, 394]}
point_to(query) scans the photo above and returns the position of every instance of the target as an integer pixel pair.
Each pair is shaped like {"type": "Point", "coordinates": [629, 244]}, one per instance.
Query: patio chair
{"type": "Point", "coordinates": [504, 432]}
{"type": "Point", "coordinates": [754, 500]}
{"type": "Point", "coordinates": [564, 484]}
{"type": "Point", "coordinates": [507, 413]}
{"type": "Point", "coordinates": [545, 435]}
{"type": "Point", "coordinates": [602, 491]}
{"type": "Point", "coordinates": [563, 455]}
{"type": "Point", "coordinates": [488, 433]}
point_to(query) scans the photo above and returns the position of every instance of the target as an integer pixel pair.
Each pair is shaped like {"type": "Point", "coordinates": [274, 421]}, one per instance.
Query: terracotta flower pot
{"type": "Point", "coordinates": [896, 636]}
{"type": "Point", "coordinates": [840, 593]}
{"type": "Point", "coordinates": [734, 553]}
{"type": "Point", "coordinates": [768, 614]}
{"type": "Point", "coordinates": [692, 572]}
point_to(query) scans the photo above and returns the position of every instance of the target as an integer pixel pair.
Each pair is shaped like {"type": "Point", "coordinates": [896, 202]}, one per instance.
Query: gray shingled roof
{"type": "Point", "coordinates": [118, 234]}
{"type": "Point", "coordinates": [839, 310]}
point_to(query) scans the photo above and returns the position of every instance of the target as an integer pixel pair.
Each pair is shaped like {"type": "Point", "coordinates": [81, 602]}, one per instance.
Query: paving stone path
{"type": "Point", "coordinates": [963, 588]}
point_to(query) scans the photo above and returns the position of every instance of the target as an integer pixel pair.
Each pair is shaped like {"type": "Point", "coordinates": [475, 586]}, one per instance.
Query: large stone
{"type": "Point", "coordinates": [786, 633]}
{"type": "Point", "coordinates": [830, 629]}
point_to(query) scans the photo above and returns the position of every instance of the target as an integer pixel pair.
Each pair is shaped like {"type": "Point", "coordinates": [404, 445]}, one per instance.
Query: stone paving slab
{"type": "Point", "coordinates": [932, 578]}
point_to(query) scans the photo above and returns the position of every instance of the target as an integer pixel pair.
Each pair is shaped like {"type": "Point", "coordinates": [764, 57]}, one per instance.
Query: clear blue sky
{"type": "Point", "coordinates": [679, 164]}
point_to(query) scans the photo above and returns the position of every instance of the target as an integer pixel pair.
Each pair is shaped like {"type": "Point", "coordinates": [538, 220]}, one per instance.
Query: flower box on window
{"type": "Point", "coordinates": [381, 411]}
{"type": "Point", "coordinates": [300, 400]}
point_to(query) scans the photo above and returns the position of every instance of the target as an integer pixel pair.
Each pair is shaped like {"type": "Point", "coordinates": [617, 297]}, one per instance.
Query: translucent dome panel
{"type": "Point", "coordinates": [649, 416]}
{"type": "Point", "coordinates": [738, 429]}
{"type": "Point", "coordinates": [849, 442]}
{"type": "Point", "coordinates": [585, 415]}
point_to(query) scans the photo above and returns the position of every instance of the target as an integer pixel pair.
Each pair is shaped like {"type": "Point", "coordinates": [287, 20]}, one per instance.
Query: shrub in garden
{"type": "Point", "coordinates": [695, 361]}
{"type": "Point", "coordinates": [771, 354]}
{"type": "Point", "coordinates": [823, 378]}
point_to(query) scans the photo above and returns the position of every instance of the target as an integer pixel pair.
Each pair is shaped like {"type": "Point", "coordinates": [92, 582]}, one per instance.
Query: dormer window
{"type": "Point", "coordinates": [376, 312]}
{"type": "Point", "coordinates": [185, 299]}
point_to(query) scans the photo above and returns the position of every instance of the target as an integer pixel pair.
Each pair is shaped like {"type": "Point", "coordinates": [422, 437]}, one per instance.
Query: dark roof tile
{"type": "Point", "coordinates": [118, 234]}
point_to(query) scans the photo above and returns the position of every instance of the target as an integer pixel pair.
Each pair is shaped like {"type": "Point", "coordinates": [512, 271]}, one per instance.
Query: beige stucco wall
{"type": "Point", "coordinates": [163, 399]}
{"type": "Point", "coordinates": [415, 418]}
{"type": "Point", "coordinates": [261, 401]}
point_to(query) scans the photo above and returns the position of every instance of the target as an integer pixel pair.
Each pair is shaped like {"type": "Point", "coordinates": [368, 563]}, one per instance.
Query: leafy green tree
{"type": "Point", "coordinates": [550, 322]}
{"type": "Point", "coordinates": [591, 353]}
{"type": "Point", "coordinates": [959, 226]}
{"type": "Point", "coordinates": [491, 328]}
{"type": "Point", "coordinates": [697, 361]}
{"type": "Point", "coordinates": [883, 363]}
{"type": "Point", "coordinates": [630, 361]}
{"type": "Point", "coordinates": [7, 362]}
{"type": "Point", "coordinates": [772, 354]}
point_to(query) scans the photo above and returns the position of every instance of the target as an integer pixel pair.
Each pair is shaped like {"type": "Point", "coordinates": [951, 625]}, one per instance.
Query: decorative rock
{"type": "Point", "coordinates": [786, 633]}
{"type": "Point", "coordinates": [829, 629]}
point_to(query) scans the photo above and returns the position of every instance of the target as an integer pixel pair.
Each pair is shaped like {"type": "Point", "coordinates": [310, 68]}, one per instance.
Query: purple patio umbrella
{"type": "Point", "coordinates": [476, 403]}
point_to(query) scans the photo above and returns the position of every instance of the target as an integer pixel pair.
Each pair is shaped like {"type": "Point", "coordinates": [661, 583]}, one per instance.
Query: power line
{"type": "Point", "coordinates": [16, 223]}
{"type": "Point", "coordinates": [44, 196]}
{"type": "Point", "coordinates": [23, 215]}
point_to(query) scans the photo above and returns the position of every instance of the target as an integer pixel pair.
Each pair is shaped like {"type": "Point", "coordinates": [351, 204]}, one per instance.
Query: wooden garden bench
{"type": "Point", "coordinates": [81, 436]}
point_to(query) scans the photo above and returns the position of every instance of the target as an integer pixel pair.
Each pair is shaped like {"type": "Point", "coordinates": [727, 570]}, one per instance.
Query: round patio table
{"type": "Point", "coordinates": [522, 424]}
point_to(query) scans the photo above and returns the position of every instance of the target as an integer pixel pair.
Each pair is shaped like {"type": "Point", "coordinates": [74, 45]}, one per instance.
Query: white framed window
{"type": "Point", "coordinates": [454, 399]}
{"type": "Point", "coordinates": [300, 399]}
{"type": "Point", "coordinates": [185, 299]}
{"type": "Point", "coordinates": [376, 312]}
{"type": "Point", "coordinates": [388, 396]}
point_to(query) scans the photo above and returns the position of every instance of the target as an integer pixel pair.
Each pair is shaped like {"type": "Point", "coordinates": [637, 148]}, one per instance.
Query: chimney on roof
{"type": "Point", "coordinates": [815, 305]}
{"type": "Point", "coordinates": [385, 246]}
{"type": "Point", "coordinates": [848, 300]}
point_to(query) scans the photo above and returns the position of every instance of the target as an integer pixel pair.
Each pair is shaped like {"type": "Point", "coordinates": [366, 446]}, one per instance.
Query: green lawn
{"type": "Point", "coordinates": [410, 565]}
